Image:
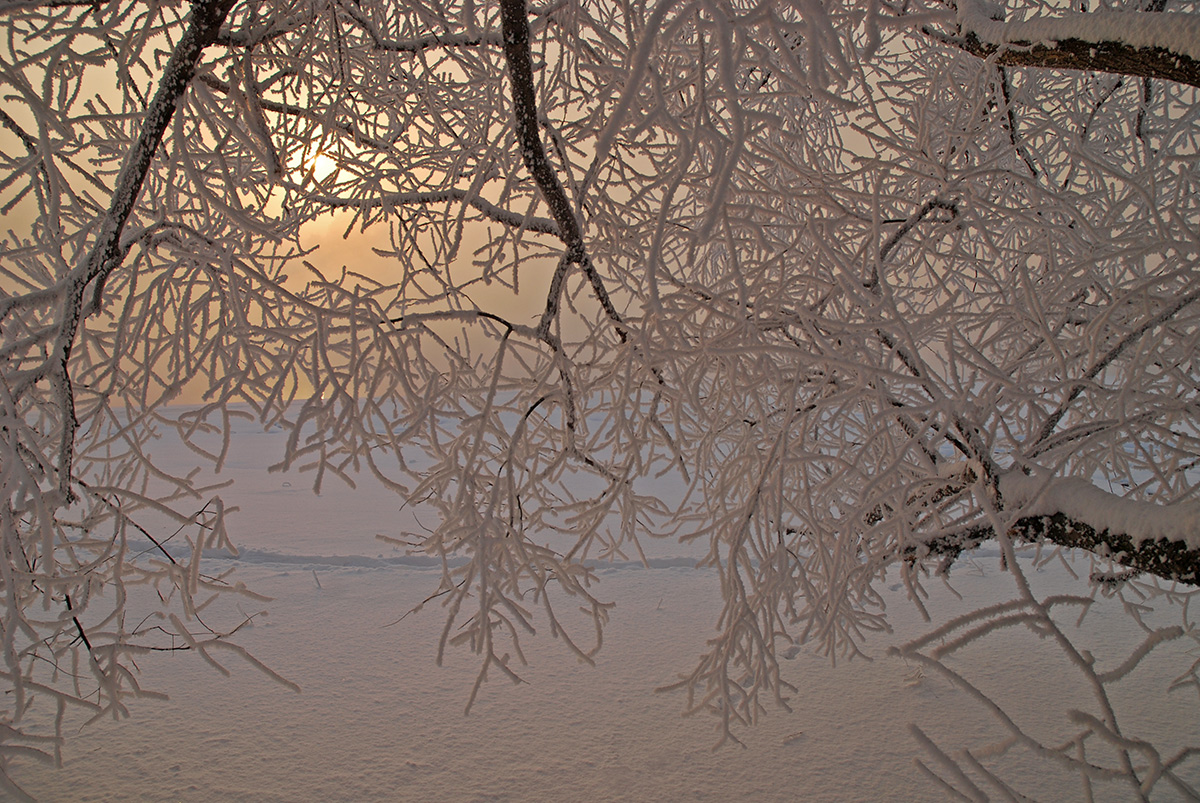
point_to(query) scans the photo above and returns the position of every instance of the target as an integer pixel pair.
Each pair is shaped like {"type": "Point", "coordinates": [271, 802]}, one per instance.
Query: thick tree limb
{"type": "Point", "coordinates": [1078, 54]}
{"type": "Point", "coordinates": [1170, 560]}
{"type": "Point", "coordinates": [1163, 540]}
{"type": "Point", "coordinates": [1145, 44]}
{"type": "Point", "coordinates": [515, 23]}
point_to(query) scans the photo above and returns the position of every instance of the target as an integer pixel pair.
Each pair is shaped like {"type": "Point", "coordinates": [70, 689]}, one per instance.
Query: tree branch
{"type": "Point", "coordinates": [203, 24]}
{"type": "Point", "coordinates": [488, 209]}
{"type": "Point", "coordinates": [1146, 44]}
{"type": "Point", "coordinates": [449, 40]}
{"type": "Point", "coordinates": [1038, 446]}
{"type": "Point", "coordinates": [1163, 540]}
{"type": "Point", "coordinates": [1078, 54]}
{"type": "Point", "coordinates": [1170, 560]}
{"type": "Point", "coordinates": [515, 23]}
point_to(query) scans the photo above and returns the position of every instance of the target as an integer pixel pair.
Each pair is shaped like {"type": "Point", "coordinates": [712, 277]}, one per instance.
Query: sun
{"type": "Point", "coordinates": [313, 163]}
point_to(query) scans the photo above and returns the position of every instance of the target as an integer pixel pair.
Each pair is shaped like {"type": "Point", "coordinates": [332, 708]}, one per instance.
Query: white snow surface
{"type": "Point", "coordinates": [1040, 494]}
{"type": "Point", "coordinates": [1177, 32]}
{"type": "Point", "coordinates": [376, 719]}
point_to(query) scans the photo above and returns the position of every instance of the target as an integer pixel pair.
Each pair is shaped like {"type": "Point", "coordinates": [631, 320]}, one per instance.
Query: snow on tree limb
{"type": "Point", "coordinates": [1161, 540]}
{"type": "Point", "coordinates": [1176, 32]}
{"type": "Point", "coordinates": [1168, 559]}
{"type": "Point", "coordinates": [1036, 494]}
{"type": "Point", "coordinates": [1147, 44]}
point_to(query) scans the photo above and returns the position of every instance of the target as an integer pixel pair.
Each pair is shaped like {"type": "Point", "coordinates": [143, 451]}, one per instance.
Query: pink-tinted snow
{"type": "Point", "coordinates": [377, 720]}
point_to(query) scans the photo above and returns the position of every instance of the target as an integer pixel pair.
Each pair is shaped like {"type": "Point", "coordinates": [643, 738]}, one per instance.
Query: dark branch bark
{"type": "Point", "coordinates": [1077, 54]}
{"type": "Point", "coordinates": [514, 20]}
{"type": "Point", "coordinates": [1170, 560]}
{"type": "Point", "coordinates": [515, 23]}
{"type": "Point", "coordinates": [1110, 57]}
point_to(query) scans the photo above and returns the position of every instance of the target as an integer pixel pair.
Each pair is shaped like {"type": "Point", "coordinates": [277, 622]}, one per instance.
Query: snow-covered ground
{"type": "Point", "coordinates": [377, 720]}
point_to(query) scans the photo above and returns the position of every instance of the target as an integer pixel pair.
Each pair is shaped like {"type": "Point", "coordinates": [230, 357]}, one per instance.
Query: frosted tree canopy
{"type": "Point", "coordinates": [871, 283]}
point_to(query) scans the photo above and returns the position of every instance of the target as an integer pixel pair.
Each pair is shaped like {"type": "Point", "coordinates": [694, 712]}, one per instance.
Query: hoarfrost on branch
{"type": "Point", "coordinates": [870, 283]}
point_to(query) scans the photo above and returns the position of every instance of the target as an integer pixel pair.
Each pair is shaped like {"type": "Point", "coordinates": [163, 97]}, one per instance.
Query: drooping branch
{"type": "Point", "coordinates": [203, 25]}
{"type": "Point", "coordinates": [515, 24]}
{"type": "Point", "coordinates": [1144, 44]}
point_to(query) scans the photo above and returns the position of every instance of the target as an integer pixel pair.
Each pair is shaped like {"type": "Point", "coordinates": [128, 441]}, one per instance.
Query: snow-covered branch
{"type": "Point", "coordinates": [1161, 540]}
{"type": "Point", "coordinates": [1146, 44]}
{"type": "Point", "coordinates": [1038, 495]}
